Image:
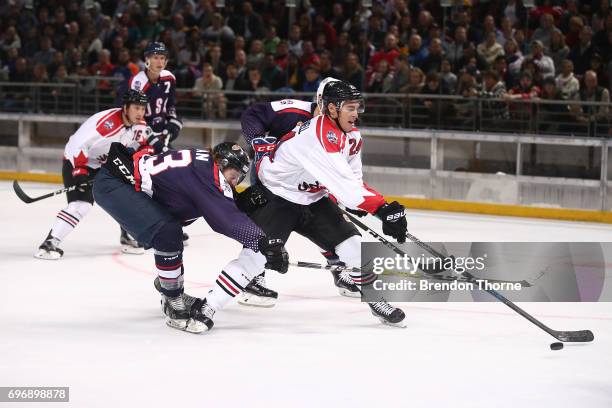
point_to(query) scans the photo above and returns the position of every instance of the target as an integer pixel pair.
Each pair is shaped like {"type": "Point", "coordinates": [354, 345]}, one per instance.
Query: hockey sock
{"type": "Point", "coordinates": [234, 277]}
{"type": "Point", "coordinates": [349, 252]}
{"type": "Point", "coordinates": [168, 246]}
{"type": "Point", "coordinates": [68, 218]}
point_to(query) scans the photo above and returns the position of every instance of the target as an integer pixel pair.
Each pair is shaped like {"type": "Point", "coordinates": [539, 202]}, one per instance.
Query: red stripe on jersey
{"type": "Point", "coordinates": [167, 78]}
{"type": "Point", "coordinates": [103, 118]}
{"type": "Point", "coordinates": [329, 136]}
{"type": "Point", "coordinates": [136, 157]}
{"type": "Point", "coordinates": [147, 85]}
{"type": "Point", "coordinates": [216, 175]}
{"type": "Point", "coordinates": [229, 285]}
{"type": "Point", "coordinates": [295, 110]}
{"type": "Point", "coordinates": [65, 219]}
{"type": "Point", "coordinates": [282, 140]}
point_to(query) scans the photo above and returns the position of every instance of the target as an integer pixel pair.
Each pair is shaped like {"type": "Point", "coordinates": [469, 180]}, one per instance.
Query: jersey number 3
{"type": "Point", "coordinates": [170, 160]}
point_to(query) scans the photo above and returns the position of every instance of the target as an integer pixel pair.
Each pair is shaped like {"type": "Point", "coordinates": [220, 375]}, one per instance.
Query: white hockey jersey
{"type": "Point", "coordinates": [314, 159]}
{"type": "Point", "coordinates": [89, 145]}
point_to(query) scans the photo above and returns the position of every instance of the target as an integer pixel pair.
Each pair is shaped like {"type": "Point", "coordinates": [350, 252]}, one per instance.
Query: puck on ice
{"type": "Point", "coordinates": [556, 346]}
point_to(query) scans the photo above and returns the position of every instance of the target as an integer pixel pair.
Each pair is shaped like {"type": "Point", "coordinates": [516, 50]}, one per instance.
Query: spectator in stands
{"type": "Point", "coordinates": [603, 39]}
{"type": "Point", "coordinates": [435, 54]}
{"type": "Point", "coordinates": [581, 54]}
{"type": "Point", "coordinates": [342, 50]}
{"type": "Point", "coordinates": [282, 54]}
{"type": "Point", "coordinates": [256, 54]}
{"type": "Point", "coordinates": [415, 83]}
{"type": "Point", "coordinates": [515, 12]}
{"type": "Point", "coordinates": [380, 79]}
{"type": "Point", "coordinates": [152, 28]}
{"type": "Point", "coordinates": [308, 57]}
{"type": "Point", "coordinates": [514, 58]}
{"type": "Point", "coordinates": [320, 26]}
{"type": "Point", "coordinates": [45, 55]}
{"type": "Point", "coordinates": [401, 74]}
{"type": "Point", "coordinates": [125, 68]}
{"type": "Point", "coordinates": [592, 92]}
{"type": "Point", "coordinates": [10, 39]}
{"type": "Point", "coordinates": [312, 79]}
{"type": "Point", "coordinates": [240, 63]}
{"type": "Point", "coordinates": [490, 48]}
{"type": "Point", "coordinates": [506, 32]}
{"type": "Point", "coordinates": [558, 50]}
{"type": "Point", "coordinates": [213, 57]}
{"type": "Point", "coordinates": [454, 50]}
{"type": "Point", "coordinates": [435, 109]}
{"type": "Point", "coordinates": [598, 19]}
{"type": "Point", "coordinates": [208, 87]}
{"type": "Point", "coordinates": [295, 76]}
{"type": "Point", "coordinates": [472, 58]}
{"type": "Point", "coordinates": [179, 31]}
{"type": "Point", "coordinates": [272, 74]}
{"type": "Point", "coordinates": [388, 53]}
{"type": "Point", "coordinates": [523, 112]}
{"type": "Point", "coordinates": [376, 34]}
{"type": "Point", "coordinates": [597, 67]}
{"type": "Point", "coordinates": [353, 72]}
{"type": "Point", "coordinates": [552, 117]}
{"type": "Point", "coordinates": [326, 67]}
{"type": "Point", "coordinates": [544, 31]}
{"type": "Point", "coordinates": [448, 78]}
{"type": "Point", "coordinates": [271, 41]}
{"type": "Point", "coordinates": [103, 67]}
{"type": "Point", "coordinates": [567, 84]}
{"type": "Point", "coordinates": [189, 60]}
{"type": "Point", "coordinates": [416, 51]}
{"type": "Point", "coordinates": [501, 67]}
{"type": "Point", "coordinates": [295, 40]}
{"type": "Point", "coordinates": [493, 89]}
{"type": "Point", "coordinates": [544, 63]}
{"type": "Point", "coordinates": [571, 12]}
{"type": "Point", "coordinates": [337, 18]}
{"type": "Point", "coordinates": [219, 33]}
{"type": "Point", "coordinates": [248, 24]}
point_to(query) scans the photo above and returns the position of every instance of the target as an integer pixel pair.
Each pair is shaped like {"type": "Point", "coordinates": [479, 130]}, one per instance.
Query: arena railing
{"type": "Point", "coordinates": [87, 95]}
{"type": "Point", "coordinates": [477, 151]}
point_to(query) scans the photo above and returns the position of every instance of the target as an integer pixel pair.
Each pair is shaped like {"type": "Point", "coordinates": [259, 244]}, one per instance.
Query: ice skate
{"type": "Point", "coordinates": [49, 249]}
{"type": "Point", "coordinates": [191, 302]}
{"type": "Point", "coordinates": [129, 245]}
{"type": "Point", "coordinates": [257, 294]}
{"type": "Point", "coordinates": [345, 284]}
{"type": "Point", "coordinates": [388, 314]}
{"type": "Point", "coordinates": [178, 316]}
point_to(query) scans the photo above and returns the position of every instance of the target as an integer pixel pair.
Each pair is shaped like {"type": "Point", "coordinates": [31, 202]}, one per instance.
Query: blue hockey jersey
{"type": "Point", "coordinates": [190, 185]}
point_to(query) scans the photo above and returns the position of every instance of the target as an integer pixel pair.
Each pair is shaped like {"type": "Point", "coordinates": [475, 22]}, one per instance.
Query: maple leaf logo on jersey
{"type": "Point", "coordinates": [331, 136]}
{"type": "Point", "coordinates": [108, 125]}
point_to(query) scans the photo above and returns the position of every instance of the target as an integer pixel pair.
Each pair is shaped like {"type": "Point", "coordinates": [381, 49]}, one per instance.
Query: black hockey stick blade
{"type": "Point", "coordinates": [20, 193]}
{"type": "Point", "coordinates": [579, 336]}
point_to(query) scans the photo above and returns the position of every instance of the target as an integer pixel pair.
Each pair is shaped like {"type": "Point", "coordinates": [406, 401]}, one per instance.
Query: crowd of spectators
{"type": "Point", "coordinates": [556, 50]}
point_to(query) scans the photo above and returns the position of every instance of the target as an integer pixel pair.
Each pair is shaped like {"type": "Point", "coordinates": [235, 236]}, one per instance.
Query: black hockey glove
{"type": "Point", "coordinates": [393, 218]}
{"type": "Point", "coordinates": [275, 253]}
{"type": "Point", "coordinates": [173, 128]}
{"type": "Point", "coordinates": [80, 175]}
{"type": "Point", "coordinates": [157, 141]}
{"type": "Point", "coordinates": [120, 163]}
{"type": "Point", "coordinates": [251, 199]}
{"type": "Point", "coordinates": [358, 213]}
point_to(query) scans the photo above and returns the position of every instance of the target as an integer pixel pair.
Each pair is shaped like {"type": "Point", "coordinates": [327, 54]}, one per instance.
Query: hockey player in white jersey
{"type": "Point", "coordinates": [318, 158]}
{"type": "Point", "coordinates": [86, 151]}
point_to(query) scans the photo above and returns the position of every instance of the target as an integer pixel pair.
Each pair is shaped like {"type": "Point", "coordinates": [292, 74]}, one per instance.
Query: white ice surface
{"type": "Point", "coordinates": [91, 321]}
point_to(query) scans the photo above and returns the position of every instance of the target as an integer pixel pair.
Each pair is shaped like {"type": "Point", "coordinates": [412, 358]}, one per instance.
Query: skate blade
{"type": "Point", "coordinates": [49, 256]}
{"type": "Point", "coordinates": [348, 293]}
{"type": "Point", "coordinates": [179, 324]}
{"type": "Point", "coordinates": [401, 325]}
{"type": "Point", "coordinates": [130, 250]}
{"type": "Point", "coordinates": [194, 326]}
{"type": "Point", "coordinates": [248, 299]}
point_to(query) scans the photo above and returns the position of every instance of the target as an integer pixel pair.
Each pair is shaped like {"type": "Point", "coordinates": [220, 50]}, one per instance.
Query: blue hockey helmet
{"type": "Point", "coordinates": [156, 47]}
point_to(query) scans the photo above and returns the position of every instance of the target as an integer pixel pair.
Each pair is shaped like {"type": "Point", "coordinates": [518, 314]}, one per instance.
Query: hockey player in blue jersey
{"type": "Point", "coordinates": [151, 196]}
{"type": "Point", "coordinates": [159, 85]}
{"type": "Point", "coordinates": [263, 124]}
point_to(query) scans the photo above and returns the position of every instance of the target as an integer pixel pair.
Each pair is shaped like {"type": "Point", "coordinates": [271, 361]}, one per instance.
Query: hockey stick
{"type": "Point", "coordinates": [27, 199]}
{"type": "Point", "coordinates": [564, 336]}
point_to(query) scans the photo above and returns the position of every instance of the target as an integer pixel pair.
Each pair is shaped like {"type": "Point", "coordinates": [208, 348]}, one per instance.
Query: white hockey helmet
{"type": "Point", "coordinates": [320, 90]}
